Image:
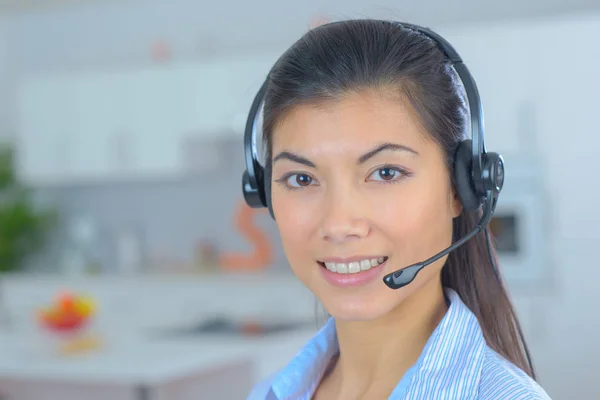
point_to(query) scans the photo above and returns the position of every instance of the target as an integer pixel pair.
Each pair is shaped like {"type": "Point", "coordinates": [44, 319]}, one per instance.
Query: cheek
{"type": "Point", "coordinates": [296, 225]}
{"type": "Point", "coordinates": [417, 219]}
{"type": "Point", "coordinates": [293, 212]}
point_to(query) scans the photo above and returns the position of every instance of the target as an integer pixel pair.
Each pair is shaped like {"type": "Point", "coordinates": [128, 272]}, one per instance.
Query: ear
{"type": "Point", "coordinates": [455, 203]}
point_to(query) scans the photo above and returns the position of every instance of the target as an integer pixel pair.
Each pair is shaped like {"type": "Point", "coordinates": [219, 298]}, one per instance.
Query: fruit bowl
{"type": "Point", "coordinates": [67, 314]}
{"type": "Point", "coordinates": [68, 319]}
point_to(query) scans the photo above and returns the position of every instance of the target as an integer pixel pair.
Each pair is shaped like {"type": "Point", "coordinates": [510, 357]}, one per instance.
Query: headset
{"type": "Point", "coordinates": [478, 174]}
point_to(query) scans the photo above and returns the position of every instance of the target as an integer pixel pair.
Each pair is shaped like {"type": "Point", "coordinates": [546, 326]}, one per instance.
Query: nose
{"type": "Point", "coordinates": [344, 219]}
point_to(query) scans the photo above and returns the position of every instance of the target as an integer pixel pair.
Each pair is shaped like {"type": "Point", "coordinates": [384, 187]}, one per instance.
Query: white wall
{"type": "Point", "coordinates": [558, 65]}
{"type": "Point", "coordinates": [568, 88]}
{"type": "Point", "coordinates": [6, 85]}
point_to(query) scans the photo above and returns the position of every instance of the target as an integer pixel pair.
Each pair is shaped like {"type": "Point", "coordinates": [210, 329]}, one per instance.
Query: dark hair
{"type": "Point", "coordinates": [333, 59]}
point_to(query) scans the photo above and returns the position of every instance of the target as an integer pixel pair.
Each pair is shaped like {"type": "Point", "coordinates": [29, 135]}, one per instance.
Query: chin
{"type": "Point", "coordinates": [362, 307]}
{"type": "Point", "coordinates": [356, 314]}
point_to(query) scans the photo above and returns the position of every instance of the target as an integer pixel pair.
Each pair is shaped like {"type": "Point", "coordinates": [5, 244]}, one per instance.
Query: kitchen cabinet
{"type": "Point", "coordinates": [229, 381]}
{"type": "Point", "coordinates": [43, 148]}
{"type": "Point", "coordinates": [147, 133]}
{"type": "Point", "coordinates": [90, 127]}
{"type": "Point", "coordinates": [131, 123]}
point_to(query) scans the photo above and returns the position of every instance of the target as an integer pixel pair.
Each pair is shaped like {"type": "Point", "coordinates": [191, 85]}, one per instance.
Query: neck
{"type": "Point", "coordinates": [382, 350]}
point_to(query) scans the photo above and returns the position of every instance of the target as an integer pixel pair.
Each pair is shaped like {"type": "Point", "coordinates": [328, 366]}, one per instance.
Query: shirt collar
{"type": "Point", "coordinates": [301, 376]}
{"type": "Point", "coordinates": [450, 362]}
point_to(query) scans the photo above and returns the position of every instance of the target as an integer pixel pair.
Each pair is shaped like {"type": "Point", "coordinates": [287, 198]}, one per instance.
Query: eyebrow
{"type": "Point", "coordinates": [288, 155]}
{"type": "Point", "coordinates": [385, 147]}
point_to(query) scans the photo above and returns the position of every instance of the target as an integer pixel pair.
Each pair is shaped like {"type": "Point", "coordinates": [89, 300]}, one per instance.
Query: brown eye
{"type": "Point", "coordinates": [299, 180]}
{"type": "Point", "coordinates": [387, 174]}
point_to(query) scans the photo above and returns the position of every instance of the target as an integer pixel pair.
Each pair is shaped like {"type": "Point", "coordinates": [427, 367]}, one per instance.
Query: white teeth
{"type": "Point", "coordinates": [365, 265]}
{"type": "Point", "coordinates": [341, 268]}
{"type": "Point", "coordinates": [355, 266]}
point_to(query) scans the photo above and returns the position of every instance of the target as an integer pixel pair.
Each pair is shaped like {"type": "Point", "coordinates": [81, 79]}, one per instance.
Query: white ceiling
{"type": "Point", "coordinates": [436, 11]}
{"type": "Point", "coordinates": [7, 6]}
{"type": "Point", "coordinates": [243, 24]}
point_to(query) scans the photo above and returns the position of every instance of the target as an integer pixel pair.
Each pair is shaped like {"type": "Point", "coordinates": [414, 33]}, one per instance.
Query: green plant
{"type": "Point", "coordinates": [23, 228]}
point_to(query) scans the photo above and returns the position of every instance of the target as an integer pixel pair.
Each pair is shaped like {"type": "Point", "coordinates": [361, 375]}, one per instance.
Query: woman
{"type": "Point", "coordinates": [361, 123]}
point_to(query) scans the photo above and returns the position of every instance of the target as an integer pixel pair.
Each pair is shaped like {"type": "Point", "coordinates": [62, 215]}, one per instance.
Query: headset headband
{"type": "Point", "coordinates": [252, 183]}
{"type": "Point", "coordinates": [473, 99]}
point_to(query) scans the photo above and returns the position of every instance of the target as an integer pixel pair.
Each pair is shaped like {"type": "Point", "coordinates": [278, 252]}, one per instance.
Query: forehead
{"type": "Point", "coordinates": [354, 121]}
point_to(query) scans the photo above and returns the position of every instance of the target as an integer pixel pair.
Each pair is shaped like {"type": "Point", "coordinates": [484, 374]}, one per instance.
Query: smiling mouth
{"type": "Point", "coordinates": [353, 267]}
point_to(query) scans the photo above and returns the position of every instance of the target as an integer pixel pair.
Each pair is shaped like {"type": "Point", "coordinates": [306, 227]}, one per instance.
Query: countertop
{"type": "Point", "coordinates": [144, 361]}
{"type": "Point", "coordinates": [133, 309]}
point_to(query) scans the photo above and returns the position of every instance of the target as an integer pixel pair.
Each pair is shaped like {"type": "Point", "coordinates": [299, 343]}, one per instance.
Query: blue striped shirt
{"type": "Point", "coordinates": [456, 363]}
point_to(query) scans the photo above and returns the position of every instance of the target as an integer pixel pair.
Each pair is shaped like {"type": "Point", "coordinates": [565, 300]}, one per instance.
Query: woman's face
{"type": "Point", "coordinates": [359, 191]}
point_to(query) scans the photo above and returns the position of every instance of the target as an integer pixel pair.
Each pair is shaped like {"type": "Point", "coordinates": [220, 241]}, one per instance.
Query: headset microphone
{"type": "Point", "coordinates": [404, 276]}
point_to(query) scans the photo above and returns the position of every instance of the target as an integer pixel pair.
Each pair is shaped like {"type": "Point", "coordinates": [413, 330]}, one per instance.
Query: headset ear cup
{"type": "Point", "coordinates": [463, 158]}
{"type": "Point", "coordinates": [267, 186]}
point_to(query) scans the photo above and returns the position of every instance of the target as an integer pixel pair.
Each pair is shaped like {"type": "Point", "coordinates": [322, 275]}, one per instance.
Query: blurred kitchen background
{"type": "Point", "coordinates": [130, 267]}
